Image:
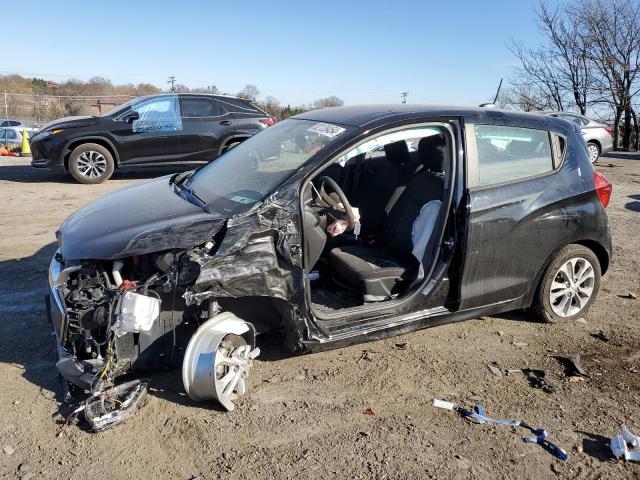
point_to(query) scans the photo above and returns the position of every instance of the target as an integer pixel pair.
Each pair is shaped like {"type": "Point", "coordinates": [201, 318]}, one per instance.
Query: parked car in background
{"type": "Point", "coordinates": [11, 139]}
{"type": "Point", "coordinates": [17, 125]}
{"type": "Point", "coordinates": [309, 230]}
{"type": "Point", "coordinates": [598, 135]}
{"type": "Point", "coordinates": [166, 129]}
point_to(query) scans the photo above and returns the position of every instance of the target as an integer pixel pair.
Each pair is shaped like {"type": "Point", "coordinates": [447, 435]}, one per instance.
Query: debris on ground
{"type": "Point", "coordinates": [600, 335]}
{"type": "Point", "coordinates": [112, 406]}
{"type": "Point", "coordinates": [581, 320]}
{"type": "Point", "coordinates": [402, 345]}
{"type": "Point", "coordinates": [626, 445]}
{"type": "Point", "coordinates": [493, 368]}
{"type": "Point", "coordinates": [520, 344]}
{"type": "Point", "coordinates": [477, 415]}
{"type": "Point", "coordinates": [573, 367]}
{"type": "Point", "coordinates": [629, 296]}
{"type": "Point", "coordinates": [366, 355]}
{"type": "Point", "coordinates": [537, 379]}
{"type": "Point", "coordinates": [577, 366]}
{"type": "Point", "coordinates": [8, 450]}
{"type": "Point", "coordinates": [369, 412]}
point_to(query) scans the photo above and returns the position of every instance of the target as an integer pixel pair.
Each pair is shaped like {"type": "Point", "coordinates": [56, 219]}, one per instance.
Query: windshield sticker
{"type": "Point", "coordinates": [326, 130]}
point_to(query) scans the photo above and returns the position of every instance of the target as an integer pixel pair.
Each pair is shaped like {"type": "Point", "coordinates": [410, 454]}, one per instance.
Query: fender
{"type": "Point", "coordinates": [89, 138]}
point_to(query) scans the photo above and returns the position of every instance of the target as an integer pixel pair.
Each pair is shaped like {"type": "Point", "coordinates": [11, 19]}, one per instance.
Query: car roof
{"type": "Point", "coordinates": [213, 95]}
{"type": "Point", "coordinates": [366, 115]}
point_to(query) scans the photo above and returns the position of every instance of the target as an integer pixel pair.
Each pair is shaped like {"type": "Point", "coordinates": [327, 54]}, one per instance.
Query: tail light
{"type": "Point", "coordinates": [609, 131]}
{"type": "Point", "coordinates": [603, 188]}
{"type": "Point", "coordinates": [268, 121]}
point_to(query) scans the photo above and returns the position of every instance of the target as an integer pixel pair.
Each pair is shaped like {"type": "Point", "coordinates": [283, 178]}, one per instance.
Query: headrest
{"type": "Point", "coordinates": [397, 152]}
{"type": "Point", "coordinates": [433, 151]}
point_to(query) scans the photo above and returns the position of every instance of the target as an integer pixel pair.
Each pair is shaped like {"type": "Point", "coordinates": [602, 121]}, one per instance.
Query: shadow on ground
{"type": "Point", "coordinates": [29, 174]}
{"type": "Point", "coordinates": [620, 155]}
{"type": "Point", "coordinates": [635, 205]}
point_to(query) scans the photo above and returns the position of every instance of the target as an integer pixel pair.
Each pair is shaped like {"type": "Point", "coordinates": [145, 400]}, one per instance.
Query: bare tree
{"type": "Point", "coordinates": [556, 74]}
{"type": "Point", "coordinates": [331, 101]}
{"type": "Point", "coordinates": [611, 28]}
{"type": "Point", "coordinates": [249, 91]}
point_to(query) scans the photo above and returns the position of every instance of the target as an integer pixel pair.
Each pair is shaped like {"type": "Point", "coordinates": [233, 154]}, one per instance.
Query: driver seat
{"type": "Point", "coordinates": [379, 274]}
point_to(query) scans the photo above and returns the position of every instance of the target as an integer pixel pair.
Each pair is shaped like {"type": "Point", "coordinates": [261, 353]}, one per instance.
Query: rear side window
{"type": "Point", "coordinates": [199, 107]}
{"type": "Point", "coordinates": [239, 105]}
{"type": "Point", "coordinates": [510, 153]}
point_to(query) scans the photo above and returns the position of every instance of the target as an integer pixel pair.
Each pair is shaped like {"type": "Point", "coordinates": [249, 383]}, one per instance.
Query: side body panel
{"type": "Point", "coordinates": [203, 136]}
{"type": "Point", "coordinates": [514, 229]}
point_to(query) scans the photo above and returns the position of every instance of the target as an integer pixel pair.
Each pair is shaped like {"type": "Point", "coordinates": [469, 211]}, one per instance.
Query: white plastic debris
{"type": "Point", "coordinates": [626, 445]}
{"type": "Point", "coordinates": [442, 404]}
{"type": "Point", "coordinates": [137, 313]}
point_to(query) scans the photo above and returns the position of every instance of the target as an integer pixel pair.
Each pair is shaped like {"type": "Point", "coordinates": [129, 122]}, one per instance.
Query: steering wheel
{"type": "Point", "coordinates": [333, 186]}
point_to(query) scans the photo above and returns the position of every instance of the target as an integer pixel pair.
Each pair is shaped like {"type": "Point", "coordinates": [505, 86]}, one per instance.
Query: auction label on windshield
{"type": "Point", "coordinates": [326, 129]}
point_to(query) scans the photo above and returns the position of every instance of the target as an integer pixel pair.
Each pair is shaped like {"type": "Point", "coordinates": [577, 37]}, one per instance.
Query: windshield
{"type": "Point", "coordinates": [246, 174]}
{"type": "Point", "coordinates": [118, 108]}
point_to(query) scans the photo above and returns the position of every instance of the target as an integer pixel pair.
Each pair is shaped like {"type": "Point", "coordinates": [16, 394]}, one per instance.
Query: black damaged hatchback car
{"type": "Point", "coordinates": [334, 227]}
{"type": "Point", "coordinates": [151, 131]}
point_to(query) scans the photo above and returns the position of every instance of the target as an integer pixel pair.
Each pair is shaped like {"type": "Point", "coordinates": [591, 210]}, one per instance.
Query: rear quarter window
{"type": "Point", "coordinates": [511, 153]}
{"type": "Point", "coordinates": [239, 105]}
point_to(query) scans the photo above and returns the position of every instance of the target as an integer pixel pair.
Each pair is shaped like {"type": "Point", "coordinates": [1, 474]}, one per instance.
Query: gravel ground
{"type": "Point", "coordinates": [304, 417]}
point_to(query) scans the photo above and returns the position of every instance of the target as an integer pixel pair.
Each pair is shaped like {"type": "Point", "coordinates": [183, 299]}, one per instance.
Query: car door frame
{"type": "Point", "coordinates": [121, 134]}
{"type": "Point", "coordinates": [417, 309]}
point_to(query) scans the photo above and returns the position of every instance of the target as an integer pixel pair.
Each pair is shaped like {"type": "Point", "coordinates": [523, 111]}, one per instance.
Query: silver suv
{"type": "Point", "coordinates": [598, 136]}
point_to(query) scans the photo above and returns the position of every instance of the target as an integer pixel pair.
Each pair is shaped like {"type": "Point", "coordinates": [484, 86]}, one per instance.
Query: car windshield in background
{"type": "Point", "coordinates": [246, 174]}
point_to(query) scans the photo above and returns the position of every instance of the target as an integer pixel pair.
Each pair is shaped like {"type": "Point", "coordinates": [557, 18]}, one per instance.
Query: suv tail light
{"type": "Point", "coordinates": [603, 188]}
{"type": "Point", "coordinates": [268, 121]}
{"type": "Point", "coordinates": [609, 131]}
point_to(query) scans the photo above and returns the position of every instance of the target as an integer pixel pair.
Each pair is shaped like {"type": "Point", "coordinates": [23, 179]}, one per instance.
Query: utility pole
{"type": "Point", "coordinates": [403, 95]}
{"type": "Point", "coordinates": [172, 81]}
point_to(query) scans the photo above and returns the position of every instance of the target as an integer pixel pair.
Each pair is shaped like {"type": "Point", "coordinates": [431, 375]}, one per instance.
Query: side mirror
{"type": "Point", "coordinates": [130, 117]}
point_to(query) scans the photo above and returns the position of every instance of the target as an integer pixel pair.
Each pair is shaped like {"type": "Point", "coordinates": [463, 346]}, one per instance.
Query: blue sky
{"type": "Point", "coordinates": [362, 51]}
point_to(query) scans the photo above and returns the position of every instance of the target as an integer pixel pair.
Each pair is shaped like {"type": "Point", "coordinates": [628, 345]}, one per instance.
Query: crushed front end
{"type": "Point", "coordinates": [113, 315]}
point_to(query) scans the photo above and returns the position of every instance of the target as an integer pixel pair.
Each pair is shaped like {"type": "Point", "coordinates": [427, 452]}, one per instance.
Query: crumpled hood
{"type": "Point", "coordinates": [135, 220]}
{"type": "Point", "coordinates": [70, 122]}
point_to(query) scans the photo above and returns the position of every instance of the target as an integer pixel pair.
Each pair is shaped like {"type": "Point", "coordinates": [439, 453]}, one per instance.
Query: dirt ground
{"type": "Point", "coordinates": [303, 417]}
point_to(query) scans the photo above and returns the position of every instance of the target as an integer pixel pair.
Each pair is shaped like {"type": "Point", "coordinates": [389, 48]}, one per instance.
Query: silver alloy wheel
{"type": "Point", "coordinates": [91, 164]}
{"type": "Point", "coordinates": [594, 152]}
{"type": "Point", "coordinates": [572, 287]}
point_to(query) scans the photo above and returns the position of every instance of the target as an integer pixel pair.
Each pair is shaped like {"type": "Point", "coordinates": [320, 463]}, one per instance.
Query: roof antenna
{"type": "Point", "coordinates": [498, 92]}
{"type": "Point", "coordinates": [495, 99]}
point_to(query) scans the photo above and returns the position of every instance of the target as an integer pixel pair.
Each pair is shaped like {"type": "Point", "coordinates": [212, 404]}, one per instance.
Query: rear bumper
{"type": "Point", "coordinates": [606, 147]}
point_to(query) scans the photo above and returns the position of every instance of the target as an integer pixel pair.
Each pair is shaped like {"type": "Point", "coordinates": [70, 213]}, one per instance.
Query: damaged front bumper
{"type": "Point", "coordinates": [72, 370]}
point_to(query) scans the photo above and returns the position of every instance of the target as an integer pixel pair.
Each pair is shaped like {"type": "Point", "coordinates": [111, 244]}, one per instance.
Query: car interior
{"type": "Point", "coordinates": [371, 218]}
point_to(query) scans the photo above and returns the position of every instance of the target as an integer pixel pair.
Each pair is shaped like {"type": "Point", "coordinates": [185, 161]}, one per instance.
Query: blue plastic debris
{"type": "Point", "coordinates": [477, 415]}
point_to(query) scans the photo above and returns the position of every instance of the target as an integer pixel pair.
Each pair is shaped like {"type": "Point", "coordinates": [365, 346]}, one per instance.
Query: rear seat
{"type": "Point", "coordinates": [371, 183]}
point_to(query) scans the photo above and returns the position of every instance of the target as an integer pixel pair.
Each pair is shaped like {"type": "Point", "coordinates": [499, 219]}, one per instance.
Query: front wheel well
{"type": "Point", "coordinates": [77, 143]}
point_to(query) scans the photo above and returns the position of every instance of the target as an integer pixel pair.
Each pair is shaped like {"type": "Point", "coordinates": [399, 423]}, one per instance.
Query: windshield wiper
{"type": "Point", "coordinates": [186, 192]}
